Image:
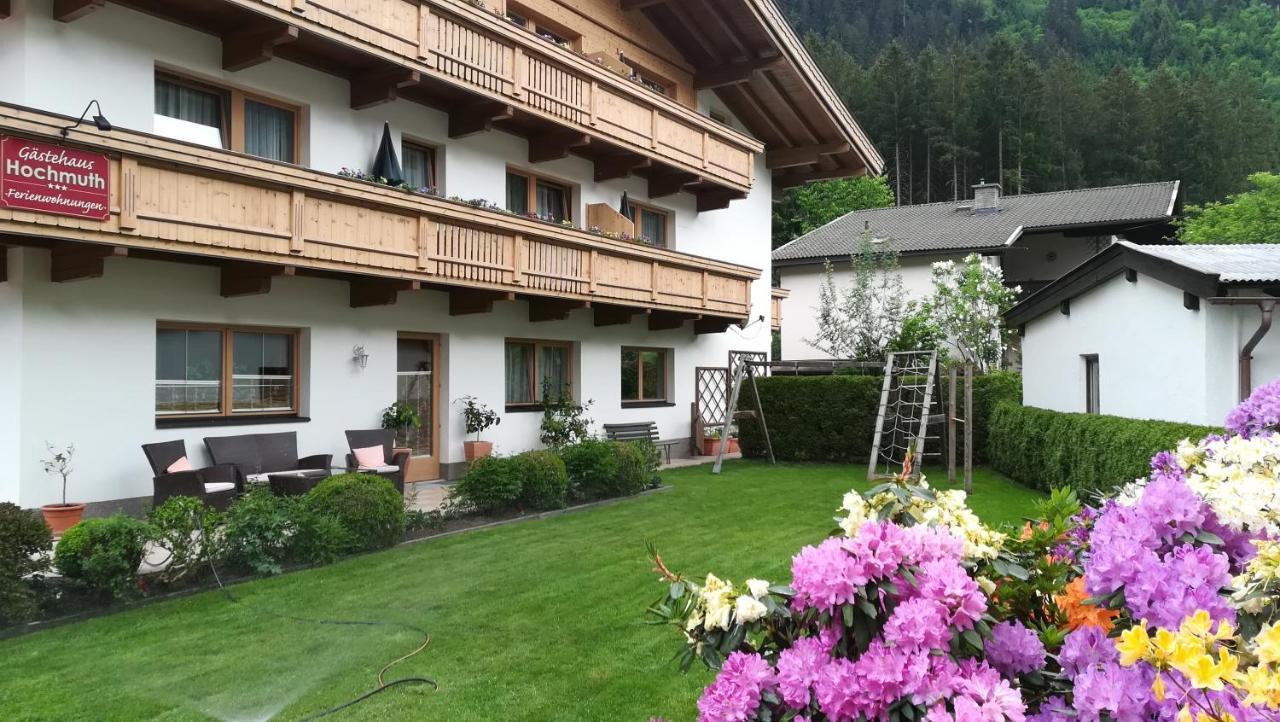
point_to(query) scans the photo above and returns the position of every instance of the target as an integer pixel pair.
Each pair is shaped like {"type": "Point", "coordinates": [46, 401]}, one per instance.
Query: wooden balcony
{"type": "Point", "coordinates": [776, 297]}
{"type": "Point", "coordinates": [486, 73]}
{"type": "Point", "coordinates": [258, 219]}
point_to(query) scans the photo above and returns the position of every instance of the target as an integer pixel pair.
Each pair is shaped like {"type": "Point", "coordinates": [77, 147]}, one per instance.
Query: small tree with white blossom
{"type": "Point", "coordinates": [968, 300]}
{"type": "Point", "coordinates": [860, 319]}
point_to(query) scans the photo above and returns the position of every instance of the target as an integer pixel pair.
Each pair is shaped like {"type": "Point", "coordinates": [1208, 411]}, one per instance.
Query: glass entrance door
{"type": "Point", "coordinates": [417, 384]}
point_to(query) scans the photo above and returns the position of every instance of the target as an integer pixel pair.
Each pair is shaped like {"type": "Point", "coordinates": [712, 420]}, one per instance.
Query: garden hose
{"type": "Point", "coordinates": [383, 685]}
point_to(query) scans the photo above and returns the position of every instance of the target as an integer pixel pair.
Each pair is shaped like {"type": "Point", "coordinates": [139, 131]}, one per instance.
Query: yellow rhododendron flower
{"type": "Point", "coordinates": [1201, 672]}
{"type": "Point", "coordinates": [1133, 645]}
{"type": "Point", "coordinates": [1267, 644]}
{"type": "Point", "coordinates": [1157, 688]}
{"type": "Point", "coordinates": [1198, 624]}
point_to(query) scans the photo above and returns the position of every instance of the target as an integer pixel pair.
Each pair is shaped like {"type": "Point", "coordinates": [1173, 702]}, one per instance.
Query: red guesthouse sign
{"type": "Point", "coordinates": [48, 178]}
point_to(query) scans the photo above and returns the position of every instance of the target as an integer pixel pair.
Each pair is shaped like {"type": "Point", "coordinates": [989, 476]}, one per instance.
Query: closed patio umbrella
{"type": "Point", "coordinates": [625, 207]}
{"type": "Point", "coordinates": [385, 163]}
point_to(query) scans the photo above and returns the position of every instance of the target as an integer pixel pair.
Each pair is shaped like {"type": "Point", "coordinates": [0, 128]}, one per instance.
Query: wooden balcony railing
{"type": "Point", "coordinates": [776, 297]}
{"type": "Point", "coordinates": [473, 50]}
{"type": "Point", "coordinates": [180, 198]}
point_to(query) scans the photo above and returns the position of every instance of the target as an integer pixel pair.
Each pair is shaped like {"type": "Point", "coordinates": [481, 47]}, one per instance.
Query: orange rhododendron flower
{"type": "Point", "coordinates": [1079, 614]}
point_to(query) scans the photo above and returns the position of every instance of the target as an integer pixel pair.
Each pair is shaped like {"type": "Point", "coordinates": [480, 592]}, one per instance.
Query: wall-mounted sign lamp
{"type": "Point", "coordinates": [359, 356]}
{"type": "Point", "coordinates": [99, 120]}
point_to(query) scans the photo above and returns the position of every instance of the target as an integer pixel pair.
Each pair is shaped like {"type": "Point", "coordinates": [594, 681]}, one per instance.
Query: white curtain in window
{"type": "Point", "coordinates": [417, 167]}
{"type": "Point", "coordinates": [268, 131]}
{"type": "Point", "coordinates": [653, 226]}
{"type": "Point", "coordinates": [519, 365]}
{"type": "Point", "coordinates": [202, 107]}
{"type": "Point", "coordinates": [554, 363]}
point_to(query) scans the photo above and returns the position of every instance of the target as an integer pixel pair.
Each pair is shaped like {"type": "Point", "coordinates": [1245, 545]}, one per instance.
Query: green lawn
{"type": "Point", "coordinates": [539, 620]}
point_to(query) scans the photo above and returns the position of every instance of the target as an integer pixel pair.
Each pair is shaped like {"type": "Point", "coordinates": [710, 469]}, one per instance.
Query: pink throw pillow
{"type": "Point", "coordinates": [370, 457]}
{"type": "Point", "coordinates": [180, 465]}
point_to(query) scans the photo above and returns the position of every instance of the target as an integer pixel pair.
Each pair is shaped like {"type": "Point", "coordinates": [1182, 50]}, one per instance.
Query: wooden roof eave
{"type": "Point", "coordinates": [799, 61]}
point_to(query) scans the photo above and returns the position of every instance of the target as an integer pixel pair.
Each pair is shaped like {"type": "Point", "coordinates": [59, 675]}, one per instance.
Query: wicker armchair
{"type": "Point", "coordinates": [216, 485]}
{"type": "Point", "coordinates": [394, 464]}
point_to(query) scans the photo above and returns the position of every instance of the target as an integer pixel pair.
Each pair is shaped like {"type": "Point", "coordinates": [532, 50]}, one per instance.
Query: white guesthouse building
{"type": "Point", "coordinates": [1033, 238]}
{"type": "Point", "coordinates": [193, 265]}
{"type": "Point", "coordinates": [1176, 333]}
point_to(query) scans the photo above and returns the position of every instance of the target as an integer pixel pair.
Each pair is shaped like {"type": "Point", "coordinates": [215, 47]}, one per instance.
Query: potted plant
{"type": "Point", "coordinates": [60, 517]}
{"type": "Point", "coordinates": [733, 447]}
{"type": "Point", "coordinates": [711, 442]}
{"type": "Point", "coordinates": [477, 418]}
{"type": "Point", "coordinates": [401, 419]}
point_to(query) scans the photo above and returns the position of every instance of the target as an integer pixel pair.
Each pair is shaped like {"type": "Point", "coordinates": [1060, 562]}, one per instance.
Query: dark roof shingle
{"type": "Point", "coordinates": [953, 226]}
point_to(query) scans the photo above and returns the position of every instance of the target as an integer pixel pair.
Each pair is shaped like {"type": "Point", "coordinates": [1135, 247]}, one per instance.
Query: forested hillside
{"type": "Point", "coordinates": [1052, 94]}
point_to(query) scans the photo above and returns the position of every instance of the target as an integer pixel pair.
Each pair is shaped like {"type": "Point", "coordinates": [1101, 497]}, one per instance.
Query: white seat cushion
{"type": "Point", "coordinates": [256, 478]}
{"type": "Point", "coordinates": [380, 469]}
{"type": "Point", "coordinates": [218, 487]}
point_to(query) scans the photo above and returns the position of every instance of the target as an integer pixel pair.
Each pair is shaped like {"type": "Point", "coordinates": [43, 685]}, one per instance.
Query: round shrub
{"type": "Point", "coordinates": [104, 554]}
{"type": "Point", "coordinates": [24, 547]}
{"type": "Point", "coordinates": [492, 483]}
{"type": "Point", "coordinates": [544, 481]}
{"type": "Point", "coordinates": [593, 469]}
{"type": "Point", "coordinates": [368, 507]}
{"type": "Point", "coordinates": [637, 467]}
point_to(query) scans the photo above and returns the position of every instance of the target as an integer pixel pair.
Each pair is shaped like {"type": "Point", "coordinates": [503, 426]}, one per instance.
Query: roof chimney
{"type": "Point", "coordinates": [986, 198]}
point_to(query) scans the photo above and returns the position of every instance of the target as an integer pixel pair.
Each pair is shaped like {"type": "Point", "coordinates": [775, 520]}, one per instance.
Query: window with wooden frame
{"type": "Point", "coordinates": [644, 375]}
{"type": "Point", "coordinates": [219, 371]}
{"type": "Point", "coordinates": [651, 223]}
{"type": "Point", "coordinates": [650, 79]}
{"type": "Point", "coordinates": [1092, 397]}
{"type": "Point", "coordinates": [419, 165]}
{"type": "Point", "coordinates": [546, 29]}
{"type": "Point", "coordinates": [528, 194]}
{"type": "Point", "coordinates": [227, 117]}
{"type": "Point", "coordinates": [538, 370]}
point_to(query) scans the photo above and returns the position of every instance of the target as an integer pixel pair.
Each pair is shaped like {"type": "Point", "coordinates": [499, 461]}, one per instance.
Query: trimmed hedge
{"type": "Point", "coordinates": [833, 418]}
{"type": "Point", "coordinates": [1048, 449]}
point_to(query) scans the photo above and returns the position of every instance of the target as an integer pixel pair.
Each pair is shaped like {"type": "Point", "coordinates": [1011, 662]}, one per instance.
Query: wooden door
{"type": "Point", "coordinates": [418, 384]}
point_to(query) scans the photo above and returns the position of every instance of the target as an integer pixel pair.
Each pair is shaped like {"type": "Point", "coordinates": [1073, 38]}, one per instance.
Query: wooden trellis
{"type": "Point", "coordinates": [710, 401]}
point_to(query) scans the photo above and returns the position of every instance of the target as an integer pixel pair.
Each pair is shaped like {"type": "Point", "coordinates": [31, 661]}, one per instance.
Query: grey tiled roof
{"type": "Point", "coordinates": [1231, 263]}
{"type": "Point", "coordinates": [949, 226]}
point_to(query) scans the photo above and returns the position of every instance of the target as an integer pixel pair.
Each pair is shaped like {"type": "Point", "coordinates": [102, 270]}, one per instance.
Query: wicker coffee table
{"type": "Point", "coordinates": [296, 483]}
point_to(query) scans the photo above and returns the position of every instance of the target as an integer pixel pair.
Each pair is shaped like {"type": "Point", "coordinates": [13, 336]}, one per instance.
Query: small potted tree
{"type": "Point", "coordinates": [60, 517]}
{"type": "Point", "coordinates": [477, 418]}
{"type": "Point", "coordinates": [401, 419]}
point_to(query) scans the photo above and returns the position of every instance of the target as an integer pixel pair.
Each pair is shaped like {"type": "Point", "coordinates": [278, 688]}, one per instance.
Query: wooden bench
{"type": "Point", "coordinates": [643, 431]}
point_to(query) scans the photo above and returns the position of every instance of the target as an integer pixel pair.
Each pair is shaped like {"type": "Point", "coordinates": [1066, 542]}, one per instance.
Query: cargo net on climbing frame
{"type": "Point", "coordinates": [905, 401]}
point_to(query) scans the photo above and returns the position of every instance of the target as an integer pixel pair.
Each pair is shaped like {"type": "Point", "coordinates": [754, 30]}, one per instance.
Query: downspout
{"type": "Point", "coordinates": [1246, 353]}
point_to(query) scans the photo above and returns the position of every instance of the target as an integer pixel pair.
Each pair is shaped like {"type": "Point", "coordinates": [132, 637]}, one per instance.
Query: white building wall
{"type": "Point", "coordinates": [86, 359]}
{"type": "Point", "coordinates": [800, 311]}
{"type": "Point", "coordinates": [1151, 353]}
{"type": "Point", "coordinates": [88, 349]}
{"type": "Point", "coordinates": [11, 379]}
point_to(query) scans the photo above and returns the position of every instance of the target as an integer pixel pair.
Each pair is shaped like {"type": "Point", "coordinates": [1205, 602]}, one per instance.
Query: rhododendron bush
{"type": "Point", "coordinates": [1160, 604]}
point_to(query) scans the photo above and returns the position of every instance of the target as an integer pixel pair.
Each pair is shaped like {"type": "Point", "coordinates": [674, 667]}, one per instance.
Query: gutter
{"type": "Point", "coordinates": [1265, 304]}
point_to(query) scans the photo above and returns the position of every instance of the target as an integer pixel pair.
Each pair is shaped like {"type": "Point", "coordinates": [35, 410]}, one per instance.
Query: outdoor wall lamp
{"type": "Point", "coordinates": [99, 120]}
{"type": "Point", "coordinates": [359, 356]}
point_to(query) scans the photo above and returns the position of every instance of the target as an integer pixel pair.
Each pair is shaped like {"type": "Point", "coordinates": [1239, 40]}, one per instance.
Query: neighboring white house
{"type": "Point", "coordinates": [227, 278]}
{"type": "Point", "coordinates": [1034, 237]}
{"type": "Point", "coordinates": [1178, 333]}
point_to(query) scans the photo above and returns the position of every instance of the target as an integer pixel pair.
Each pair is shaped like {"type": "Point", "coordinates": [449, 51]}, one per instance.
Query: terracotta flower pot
{"type": "Point", "coordinates": [733, 446]}
{"type": "Point", "coordinates": [710, 447]}
{"type": "Point", "coordinates": [477, 449]}
{"type": "Point", "coordinates": [61, 517]}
